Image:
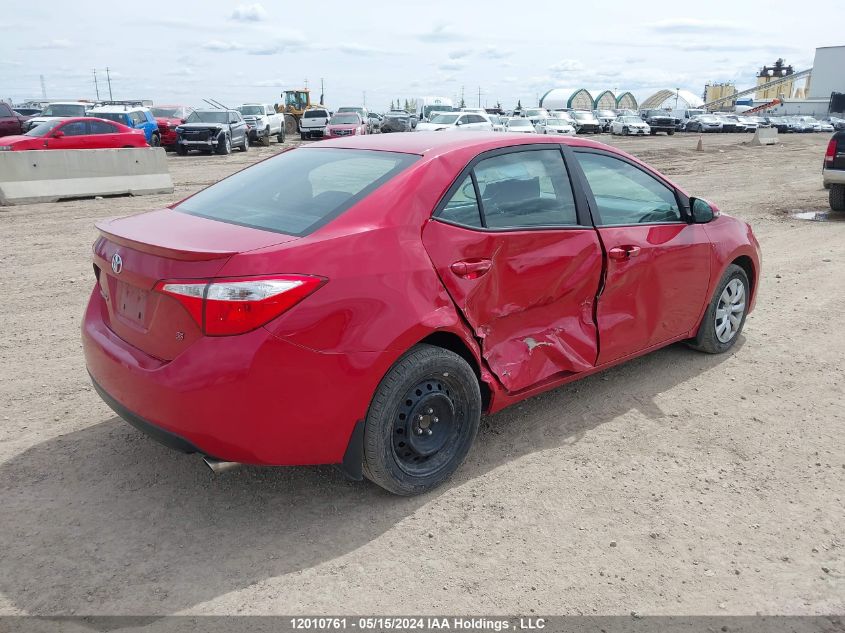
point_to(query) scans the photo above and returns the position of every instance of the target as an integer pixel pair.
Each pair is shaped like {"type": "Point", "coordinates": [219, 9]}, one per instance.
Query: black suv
{"type": "Point", "coordinates": [833, 172]}
{"type": "Point", "coordinates": [212, 130]}
{"type": "Point", "coordinates": [659, 121]}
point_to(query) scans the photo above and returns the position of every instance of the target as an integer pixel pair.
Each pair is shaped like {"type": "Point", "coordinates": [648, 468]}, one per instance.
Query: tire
{"type": "Point", "coordinates": [625, 131]}
{"type": "Point", "coordinates": [709, 339]}
{"type": "Point", "coordinates": [155, 140]}
{"type": "Point", "coordinates": [670, 132]}
{"type": "Point", "coordinates": [836, 197]}
{"type": "Point", "coordinates": [652, 132]}
{"type": "Point", "coordinates": [303, 136]}
{"type": "Point", "coordinates": [281, 135]}
{"type": "Point", "coordinates": [181, 150]}
{"type": "Point", "coordinates": [245, 145]}
{"type": "Point", "coordinates": [407, 449]}
{"type": "Point", "coordinates": [224, 147]}
{"type": "Point", "coordinates": [265, 140]}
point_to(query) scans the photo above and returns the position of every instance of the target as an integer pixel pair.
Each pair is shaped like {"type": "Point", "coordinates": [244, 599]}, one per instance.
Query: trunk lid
{"type": "Point", "coordinates": [134, 253]}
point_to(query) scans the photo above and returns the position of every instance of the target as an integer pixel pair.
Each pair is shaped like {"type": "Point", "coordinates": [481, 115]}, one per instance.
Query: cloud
{"type": "Point", "coordinates": [9, 62]}
{"type": "Point", "coordinates": [54, 44]}
{"type": "Point", "coordinates": [693, 25]}
{"type": "Point", "coordinates": [565, 66]}
{"type": "Point", "coordinates": [493, 52]}
{"type": "Point", "coordinates": [441, 32]}
{"type": "Point", "coordinates": [288, 42]}
{"type": "Point", "coordinates": [452, 65]}
{"type": "Point", "coordinates": [249, 13]}
{"type": "Point", "coordinates": [222, 46]}
{"type": "Point", "coordinates": [359, 49]}
{"type": "Point", "coordinates": [460, 54]}
{"type": "Point", "coordinates": [270, 83]}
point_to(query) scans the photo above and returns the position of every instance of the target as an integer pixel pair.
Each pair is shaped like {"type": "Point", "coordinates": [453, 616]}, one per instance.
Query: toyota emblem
{"type": "Point", "coordinates": [116, 263]}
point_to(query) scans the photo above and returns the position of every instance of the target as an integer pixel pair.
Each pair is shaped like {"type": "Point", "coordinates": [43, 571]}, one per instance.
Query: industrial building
{"type": "Point", "coordinates": [720, 90]}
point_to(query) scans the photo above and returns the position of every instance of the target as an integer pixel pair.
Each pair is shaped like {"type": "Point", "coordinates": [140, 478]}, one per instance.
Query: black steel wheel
{"type": "Point", "coordinates": [422, 421]}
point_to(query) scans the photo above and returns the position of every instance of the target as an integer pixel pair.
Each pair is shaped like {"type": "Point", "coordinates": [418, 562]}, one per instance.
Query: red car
{"type": "Point", "coordinates": [169, 117]}
{"type": "Point", "coordinates": [10, 121]}
{"type": "Point", "coordinates": [362, 301]}
{"type": "Point", "coordinates": [345, 124]}
{"type": "Point", "coordinates": [76, 133]}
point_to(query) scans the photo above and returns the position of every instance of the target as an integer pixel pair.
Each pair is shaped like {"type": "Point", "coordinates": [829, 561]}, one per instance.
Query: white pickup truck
{"type": "Point", "coordinates": [263, 122]}
{"type": "Point", "coordinates": [313, 123]}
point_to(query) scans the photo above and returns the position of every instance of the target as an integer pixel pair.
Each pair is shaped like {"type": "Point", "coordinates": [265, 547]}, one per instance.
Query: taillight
{"type": "Point", "coordinates": [222, 307]}
{"type": "Point", "coordinates": [830, 154]}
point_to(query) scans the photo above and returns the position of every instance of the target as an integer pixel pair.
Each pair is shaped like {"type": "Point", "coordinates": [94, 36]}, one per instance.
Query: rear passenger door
{"type": "Point", "coordinates": [515, 250]}
{"type": "Point", "coordinates": [103, 135]}
{"type": "Point", "coordinates": [658, 263]}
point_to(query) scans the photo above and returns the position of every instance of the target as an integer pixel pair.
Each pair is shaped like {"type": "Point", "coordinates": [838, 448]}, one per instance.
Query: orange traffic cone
{"type": "Point", "coordinates": [699, 147]}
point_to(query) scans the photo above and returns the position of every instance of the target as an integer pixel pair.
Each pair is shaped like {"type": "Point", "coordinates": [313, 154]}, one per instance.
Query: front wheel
{"type": "Point", "coordinates": [155, 140]}
{"type": "Point", "coordinates": [670, 132]}
{"type": "Point", "coordinates": [265, 139]}
{"type": "Point", "coordinates": [181, 150]}
{"type": "Point", "coordinates": [245, 146]}
{"type": "Point", "coordinates": [422, 421]}
{"type": "Point", "coordinates": [725, 315]}
{"type": "Point", "coordinates": [625, 131]}
{"type": "Point", "coordinates": [224, 145]}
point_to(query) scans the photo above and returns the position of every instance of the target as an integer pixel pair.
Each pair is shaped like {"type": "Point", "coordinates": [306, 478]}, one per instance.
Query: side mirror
{"type": "Point", "coordinates": [58, 134]}
{"type": "Point", "coordinates": [458, 123]}
{"type": "Point", "coordinates": [702, 211]}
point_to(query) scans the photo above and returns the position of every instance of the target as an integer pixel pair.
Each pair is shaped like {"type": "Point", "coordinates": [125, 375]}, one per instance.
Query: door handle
{"type": "Point", "coordinates": [623, 252]}
{"type": "Point", "coordinates": [471, 268]}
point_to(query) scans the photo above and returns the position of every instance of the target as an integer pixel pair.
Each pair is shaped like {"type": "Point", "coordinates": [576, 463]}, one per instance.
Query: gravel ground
{"type": "Point", "coordinates": [678, 483]}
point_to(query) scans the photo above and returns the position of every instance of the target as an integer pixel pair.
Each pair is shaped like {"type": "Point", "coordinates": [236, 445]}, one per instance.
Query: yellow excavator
{"type": "Point", "coordinates": [293, 106]}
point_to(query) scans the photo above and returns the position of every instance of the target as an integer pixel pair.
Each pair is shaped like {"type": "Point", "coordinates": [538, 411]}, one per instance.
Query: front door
{"type": "Point", "coordinates": [658, 264]}
{"type": "Point", "coordinates": [520, 266]}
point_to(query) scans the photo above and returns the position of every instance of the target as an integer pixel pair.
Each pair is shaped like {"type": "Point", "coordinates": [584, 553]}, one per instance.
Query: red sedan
{"type": "Point", "coordinates": [76, 133]}
{"type": "Point", "coordinates": [362, 301]}
{"type": "Point", "coordinates": [345, 124]}
{"type": "Point", "coordinates": [169, 117]}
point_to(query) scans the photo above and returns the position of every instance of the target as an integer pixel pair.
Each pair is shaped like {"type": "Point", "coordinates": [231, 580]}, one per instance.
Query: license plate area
{"type": "Point", "coordinates": [132, 304]}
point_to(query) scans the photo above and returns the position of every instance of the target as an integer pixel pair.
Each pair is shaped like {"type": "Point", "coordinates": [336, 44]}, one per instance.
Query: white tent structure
{"type": "Point", "coordinates": [672, 99]}
{"type": "Point", "coordinates": [583, 99]}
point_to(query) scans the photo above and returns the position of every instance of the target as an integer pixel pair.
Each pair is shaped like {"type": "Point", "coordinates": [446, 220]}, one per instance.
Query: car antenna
{"type": "Point", "coordinates": [213, 105]}
{"type": "Point", "coordinates": [221, 105]}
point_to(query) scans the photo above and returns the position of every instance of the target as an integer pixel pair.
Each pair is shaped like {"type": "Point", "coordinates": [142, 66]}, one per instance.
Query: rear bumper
{"type": "Point", "coordinates": [253, 398]}
{"type": "Point", "coordinates": [833, 176]}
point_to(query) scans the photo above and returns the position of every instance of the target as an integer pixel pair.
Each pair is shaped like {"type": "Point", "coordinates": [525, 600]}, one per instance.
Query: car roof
{"type": "Point", "coordinates": [118, 109]}
{"type": "Point", "coordinates": [437, 143]}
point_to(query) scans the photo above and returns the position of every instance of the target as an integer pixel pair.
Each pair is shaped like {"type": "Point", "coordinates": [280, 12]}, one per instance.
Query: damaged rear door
{"type": "Point", "coordinates": [522, 262]}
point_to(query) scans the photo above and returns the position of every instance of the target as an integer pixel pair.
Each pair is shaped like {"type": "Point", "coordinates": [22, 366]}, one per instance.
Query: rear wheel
{"type": "Point", "coordinates": [303, 136]}
{"type": "Point", "coordinates": [281, 136]}
{"type": "Point", "coordinates": [181, 150]}
{"type": "Point", "coordinates": [670, 132]}
{"type": "Point", "coordinates": [422, 421]}
{"type": "Point", "coordinates": [245, 145]}
{"type": "Point", "coordinates": [626, 131]}
{"type": "Point", "coordinates": [291, 126]}
{"type": "Point", "coordinates": [836, 196]}
{"type": "Point", "coordinates": [265, 140]}
{"type": "Point", "coordinates": [725, 315]}
{"type": "Point", "coordinates": [155, 140]}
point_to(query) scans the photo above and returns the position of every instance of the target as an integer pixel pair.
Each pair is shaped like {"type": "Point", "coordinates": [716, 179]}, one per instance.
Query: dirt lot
{"type": "Point", "coordinates": [678, 483]}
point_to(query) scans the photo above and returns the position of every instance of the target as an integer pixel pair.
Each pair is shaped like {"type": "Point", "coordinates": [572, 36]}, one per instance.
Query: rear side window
{"type": "Point", "coordinates": [101, 127]}
{"type": "Point", "coordinates": [462, 207]}
{"type": "Point", "coordinates": [297, 191]}
{"type": "Point", "coordinates": [5, 110]}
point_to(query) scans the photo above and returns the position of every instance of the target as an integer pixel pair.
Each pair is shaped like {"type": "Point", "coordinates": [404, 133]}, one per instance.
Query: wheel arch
{"type": "Point", "coordinates": [454, 343]}
{"type": "Point", "coordinates": [747, 264]}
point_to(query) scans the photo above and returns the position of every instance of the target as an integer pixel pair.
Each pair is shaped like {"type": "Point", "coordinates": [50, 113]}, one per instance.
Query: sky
{"type": "Point", "coordinates": [376, 51]}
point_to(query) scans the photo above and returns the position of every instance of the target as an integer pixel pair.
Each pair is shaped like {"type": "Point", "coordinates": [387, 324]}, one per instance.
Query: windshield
{"type": "Point", "coordinates": [351, 109]}
{"type": "Point", "coordinates": [117, 117]}
{"type": "Point", "coordinates": [44, 128]}
{"type": "Point", "coordinates": [606, 114]}
{"type": "Point", "coordinates": [708, 118]}
{"type": "Point", "coordinates": [533, 112]}
{"type": "Point", "coordinates": [346, 118]}
{"type": "Point", "coordinates": [630, 119]}
{"type": "Point", "coordinates": [63, 109]}
{"type": "Point", "coordinates": [583, 115]}
{"type": "Point", "coordinates": [208, 116]}
{"type": "Point", "coordinates": [298, 191]}
{"type": "Point", "coordinates": [519, 123]}
{"type": "Point", "coordinates": [168, 113]}
{"type": "Point", "coordinates": [444, 119]}
{"type": "Point", "coordinates": [251, 109]}
{"type": "Point", "coordinates": [427, 110]}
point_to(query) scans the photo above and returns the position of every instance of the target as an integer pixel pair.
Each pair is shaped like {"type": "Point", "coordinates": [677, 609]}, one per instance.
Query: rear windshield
{"type": "Point", "coordinates": [316, 114]}
{"type": "Point", "coordinates": [297, 191]}
{"type": "Point", "coordinates": [117, 117]}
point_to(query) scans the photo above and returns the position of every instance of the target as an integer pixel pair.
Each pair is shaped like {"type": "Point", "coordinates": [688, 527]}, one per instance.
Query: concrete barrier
{"type": "Point", "coordinates": [50, 175]}
{"type": "Point", "coordinates": [765, 136]}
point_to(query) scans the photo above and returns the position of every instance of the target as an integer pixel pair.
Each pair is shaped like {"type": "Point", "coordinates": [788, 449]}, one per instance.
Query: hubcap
{"type": "Point", "coordinates": [426, 426]}
{"type": "Point", "coordinates": [729, 311]}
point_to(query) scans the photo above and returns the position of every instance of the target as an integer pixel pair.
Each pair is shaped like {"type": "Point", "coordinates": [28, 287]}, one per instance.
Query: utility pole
{"type": "Point", "coordinates": [479, 96]}
{"type": "Point", "coordinates": [43, 87]}
{"type": "Point", "coordinates": [96, 87]}
{"type": "Point", "coordinates": [322, 91]}
{"type": "Point", "coordinates": [108, 79]}
{"type": "Point", "coordinates": [677, 94]}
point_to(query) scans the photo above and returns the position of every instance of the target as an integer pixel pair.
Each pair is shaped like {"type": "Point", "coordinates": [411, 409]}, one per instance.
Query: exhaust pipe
{"type": "Point", "coordinates": [217, 466]}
